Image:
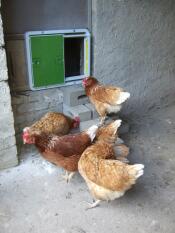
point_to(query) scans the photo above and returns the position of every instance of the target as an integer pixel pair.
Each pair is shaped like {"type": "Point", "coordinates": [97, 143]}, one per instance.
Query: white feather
{"type": "Point", "coordinates": [123, 97]}
{"type": "Point", "coordinates": [92, 132]}
{"type": "Point", "coordinates": [117, 123]}
{"type": "Point", "coordinates": [139, 168]}
{"type": "Point", "coordinates": [113, 109]}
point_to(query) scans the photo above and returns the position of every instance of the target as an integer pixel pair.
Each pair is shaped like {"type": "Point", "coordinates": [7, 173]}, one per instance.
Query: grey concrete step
{"type": "Point", "coordinates": [93, 110]}
{"type": "Point", "coordinates": [86, 124]}
{"type": "Point", "coordinates": [82, 111]}
{"type": "Point", "coordinates": [74, 96]}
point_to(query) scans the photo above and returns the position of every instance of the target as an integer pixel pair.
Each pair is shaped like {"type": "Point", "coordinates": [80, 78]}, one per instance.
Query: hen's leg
{"type": "Point", "coordinates": [94, 204]}
{"type": "Point", "coordinates": [65, 176]}
{"type": "Point", "coordinates": [102, 120]}
{"type": "Point", "coordinates": [68, 176]}
{"type": "Point", "coordinates": [71, 174]}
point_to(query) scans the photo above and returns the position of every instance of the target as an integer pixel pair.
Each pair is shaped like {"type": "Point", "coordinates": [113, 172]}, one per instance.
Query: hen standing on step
{"type": "Point", "coordinates": [107, 99]}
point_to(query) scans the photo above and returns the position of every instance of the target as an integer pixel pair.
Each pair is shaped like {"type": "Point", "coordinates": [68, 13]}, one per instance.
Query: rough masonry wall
{"type": "Point", "coordinates": [134, 47]}
{"type": "Point", "coordinates": [8, 152]}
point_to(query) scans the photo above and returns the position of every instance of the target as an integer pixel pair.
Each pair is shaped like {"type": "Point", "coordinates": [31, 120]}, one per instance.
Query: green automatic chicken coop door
{"type": "Point", "coordinates": [47, 58]}
{"type": "Point", "coordinates": [57, 58]}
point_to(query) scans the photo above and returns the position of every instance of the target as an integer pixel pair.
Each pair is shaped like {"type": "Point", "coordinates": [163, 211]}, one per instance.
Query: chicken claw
{"type": "Point", "coordinates": [93, 205]}
{"type": "Point", "coordinates": [102, 121]}
{"type": "Point", "coordinates": [68, 176]}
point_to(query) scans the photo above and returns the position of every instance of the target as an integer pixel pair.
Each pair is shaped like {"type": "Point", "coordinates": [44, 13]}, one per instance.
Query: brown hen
{"type": "Point", "coordinates": [55, 123]}
{"type": "Point", "coordinates": [106, 99]}
{"type": "Point", "coordinates": [107, 134]}
{"type": "Point", "coordinates": [106, 177]}
{"type": "Point", "coordinates": [63, 151]}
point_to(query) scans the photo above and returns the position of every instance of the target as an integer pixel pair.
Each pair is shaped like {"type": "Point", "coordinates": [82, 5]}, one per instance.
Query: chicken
{"type": "Point", "coordinates": [105, 133]}
{"type": "Point", "coordinates": [106, 99]}
{"type": "Point", "coordinates": [63, 151]}
{"type": "Point", "coordinates": [55, 123]}
{"type": "Point", "coordinates": [106, 177]}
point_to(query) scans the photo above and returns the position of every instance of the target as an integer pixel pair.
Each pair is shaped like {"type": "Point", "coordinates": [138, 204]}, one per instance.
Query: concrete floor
{"type": "Point", "coordinates": [35, 199]}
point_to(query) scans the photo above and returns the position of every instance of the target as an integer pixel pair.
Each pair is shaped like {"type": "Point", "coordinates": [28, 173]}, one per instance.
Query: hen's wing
{"type": "Point", "coordinates": [69, 145]}
{"type": "Point", "coordinates": [108, 94]}
{"type": "Point", "coordinates": [52, 122]}
{"type": "Point", "coordinates": [89, 162]}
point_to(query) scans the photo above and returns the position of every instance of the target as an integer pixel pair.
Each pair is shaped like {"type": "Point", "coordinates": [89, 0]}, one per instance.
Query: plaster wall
{"type": "Point", "coordinates": [134, 48]}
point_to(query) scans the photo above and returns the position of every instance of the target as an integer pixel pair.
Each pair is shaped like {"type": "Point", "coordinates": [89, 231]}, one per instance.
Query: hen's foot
{"type": "Point", "coordinates": [68, 176]}
{"type": "Point", "coordinates": [93, 205]}
{"type": "Point", "coordinates": [102, 121]}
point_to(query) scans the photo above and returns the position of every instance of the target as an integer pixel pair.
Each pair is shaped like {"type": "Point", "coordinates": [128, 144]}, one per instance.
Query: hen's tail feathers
{"type": "Point", "coordinates": [123, 97]}
{"type": "Point", "coordinates": [117, 123]}
{"type": "Point", "coordinates": [92, 132]}
{"type": "Point", "coordinates": [138, 170]}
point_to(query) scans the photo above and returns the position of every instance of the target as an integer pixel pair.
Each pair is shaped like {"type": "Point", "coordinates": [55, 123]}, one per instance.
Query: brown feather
{"type": "Point", "coordinates": [97, 164]}
{"type": "Point", "coordinates": [64, 151]}
{"type": "Point", "coordinates": [53, 122]}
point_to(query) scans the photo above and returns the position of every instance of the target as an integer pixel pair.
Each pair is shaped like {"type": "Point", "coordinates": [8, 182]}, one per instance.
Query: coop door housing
{"type": "Point", "coordinates": [57, 58]}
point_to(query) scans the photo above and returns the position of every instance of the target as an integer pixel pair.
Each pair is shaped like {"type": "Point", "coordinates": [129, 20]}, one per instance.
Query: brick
{"type": "Point", "coordinates": [40, 103]}
{"type": "Point", "coordinates": [47, 96]}
{"type": "Point", "coordinates": [83, 112]}
{"type": "Point", "coordinates": [16, 100]}
{"type": "Point", "coordinates": [3, 68]}
{"type": "Point", "coordinates": [8, 158]}
{"type": "Point", "coordinates": [5, 143]}
{"type": "Point", "coordinates": [57, 108]}
{"type": "Point", "coordinates": [7, 126]}
{"type": "Point", "coordinates": [5, 108]}
{"type": "Point", "coordinates": [74, 95]}
{"type": "Point", "coordinates": [4, 92]}
{"type": "Point", "coordinates": [93, 110]}
{"type": "Point", "coordinates": [26, 119]}
{"type": "Point", "coordinates": [30, 107]}
{"type": "Point", "coordinates": [1, 33]}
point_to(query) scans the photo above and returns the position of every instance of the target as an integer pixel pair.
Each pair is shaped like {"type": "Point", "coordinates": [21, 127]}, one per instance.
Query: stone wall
{"type": "Point", "coordinates": [134, 48]}
{"type": "Point", "coordinates": [8, 152]}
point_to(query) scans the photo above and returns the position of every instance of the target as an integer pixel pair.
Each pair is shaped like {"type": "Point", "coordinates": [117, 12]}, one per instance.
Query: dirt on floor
{"type": "Point", "coordinates": [34, 197]}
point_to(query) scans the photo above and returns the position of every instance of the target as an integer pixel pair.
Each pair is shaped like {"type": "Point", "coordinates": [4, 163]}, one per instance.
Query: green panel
{"type": "Point", "coordinates": [47, 60]}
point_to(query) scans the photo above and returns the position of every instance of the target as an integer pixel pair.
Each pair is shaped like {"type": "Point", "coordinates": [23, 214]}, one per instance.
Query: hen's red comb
{"type": "Point", "coordinates": [77, 119]}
